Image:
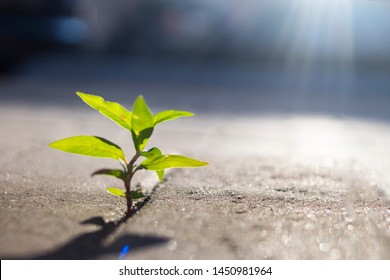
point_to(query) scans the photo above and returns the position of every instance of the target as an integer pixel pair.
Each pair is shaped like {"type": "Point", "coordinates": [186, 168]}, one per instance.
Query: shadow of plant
{"type": "Point", "coordinates": [90, 245]}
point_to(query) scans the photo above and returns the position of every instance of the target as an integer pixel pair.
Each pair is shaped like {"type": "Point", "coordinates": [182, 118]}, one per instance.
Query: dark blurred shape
{"type": "Point", "coordinates": [30, 27]}
{"type": "Point", "coordinates": [97, 221]}
{"type": "Point", "coordinates": [178, 27]}
{"type": "Point", "coordinates": [267, 30]}
{"type": "Point", "coordinates": [325, 33]}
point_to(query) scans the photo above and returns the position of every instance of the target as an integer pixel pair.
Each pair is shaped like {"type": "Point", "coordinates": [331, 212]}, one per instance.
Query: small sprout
{"type": "Point", "coordinates": [140, 123]}
{"type": "Point", "coordinates": [116, 191]}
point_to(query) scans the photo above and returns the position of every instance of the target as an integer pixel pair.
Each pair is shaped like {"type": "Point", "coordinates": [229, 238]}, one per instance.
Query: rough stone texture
{"type": "Point", "coordinates": [259, 213]}
{"type": "Point", "coordinates": [277, 187]}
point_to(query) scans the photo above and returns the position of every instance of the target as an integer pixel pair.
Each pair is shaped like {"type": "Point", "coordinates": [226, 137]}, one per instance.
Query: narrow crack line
{"type": "Point", "coordinates": [139, 205]}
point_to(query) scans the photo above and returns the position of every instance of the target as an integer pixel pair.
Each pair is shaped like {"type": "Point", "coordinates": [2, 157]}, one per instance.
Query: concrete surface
{"type": "Point", "coordinates": [277, 187]}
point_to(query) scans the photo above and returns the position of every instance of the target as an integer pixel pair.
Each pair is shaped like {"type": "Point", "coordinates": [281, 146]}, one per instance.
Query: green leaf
{"type": "Point", "coordinates": [142, 117]}
{"type": "Point", "coordinates": [111, 172]}
{"type": "Point", "coordinates": [170, 115]}
{"type": "Point", "coordinates": [160, 175]}
{"type": "Point", "coordinates": [171, 161]}
{"type": "Point", "coordinates": [137, 194]}
{"type": "Point", "coordinates": [89, 146]}
{"type": "Point", "coordinates": [142, 123]}
{"type": "Point", "coordinates": [122, 193]}
{"type": "Point", "coordinates": [116, 191]}
{"type": "Point", "coordinates": [141, 140]}
{"type": "Point", "coordinates": [152, 154]}
{"type": "Point", "coordinates": [111, 110]}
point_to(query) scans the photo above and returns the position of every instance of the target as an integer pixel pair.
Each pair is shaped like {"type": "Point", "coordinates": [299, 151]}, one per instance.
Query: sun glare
{"type": "Point", "coordinates": [316, 42]}
{"type": "Point", "coordinates": [319, 30]}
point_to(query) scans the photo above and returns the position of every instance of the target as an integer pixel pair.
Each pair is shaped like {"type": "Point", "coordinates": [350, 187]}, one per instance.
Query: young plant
{"type": "Point", "coordinates": [140, 123]}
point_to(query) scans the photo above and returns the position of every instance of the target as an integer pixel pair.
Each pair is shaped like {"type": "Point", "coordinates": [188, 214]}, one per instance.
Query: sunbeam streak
{"type": "Point", "coordinates": [318, 31]}
{"type": "Point", "coordinates": [316, 42]}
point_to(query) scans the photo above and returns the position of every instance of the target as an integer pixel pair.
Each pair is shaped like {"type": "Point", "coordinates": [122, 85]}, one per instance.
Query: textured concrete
{"type": "Point", "coordinates": [277, 187]}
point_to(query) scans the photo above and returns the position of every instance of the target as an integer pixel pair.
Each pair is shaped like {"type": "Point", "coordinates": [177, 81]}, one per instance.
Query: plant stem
{"type": "Point", "coordinates": [129, 177]}
{"type": "Point", "coordinates": [129, 200]}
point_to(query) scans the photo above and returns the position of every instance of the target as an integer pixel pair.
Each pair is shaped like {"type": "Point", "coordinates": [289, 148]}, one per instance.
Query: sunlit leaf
{"type": "Point", "coordinates": [141, 140]}
{"type": "Point", "coordinates": [142, 123]}
{"type": "Point", "coordinates": [111, 110]}
{"type": "Point", "coordinates": [170, 115]}
{"type": "Point", "coordinates": [89, 146]}
{"type": "Point", "coordinates": [116, 191]}
{"type": "Point", "coordinates": [171, 161]}
{"type": "Point", "coordinates": [111, 172]}
{"type": "Point", "coordinates": [137, 194]}
{"type": "Point", "coordinates": [160, 175]}
{"type": "Point", "coordinates": [142, 117]}
{"type": "Point", "coordinates": [152, 154]}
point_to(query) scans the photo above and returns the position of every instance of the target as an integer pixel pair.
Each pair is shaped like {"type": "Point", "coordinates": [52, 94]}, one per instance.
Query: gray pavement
{"type": "Point", "coordinates": [277, 187]}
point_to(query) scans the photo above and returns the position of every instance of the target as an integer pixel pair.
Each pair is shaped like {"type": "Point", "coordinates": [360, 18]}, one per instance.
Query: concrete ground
{"type": "Point", "coordinates": [277, 187]}
{"type": "Point", "coordinates": [299, 163]}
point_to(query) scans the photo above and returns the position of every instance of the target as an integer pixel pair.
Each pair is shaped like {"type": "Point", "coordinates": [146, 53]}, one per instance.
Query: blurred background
{"type": "Point", "coordinates": [223, 56]}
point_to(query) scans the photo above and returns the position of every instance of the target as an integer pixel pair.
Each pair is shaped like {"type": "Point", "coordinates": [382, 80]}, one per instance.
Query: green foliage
{"type": "Point", "coordinates": [142, 116]}
{"type": "Point", "coordinates": [152, 154]}
{"type": "Point", "coordinates": [140, 123]}
{"type": "Point", "coordinates": [89, 146]}
{"type": "Point", "coordinates": [137, 194]}
{"type": "Point", "coordinates": [117, 192]}
{"type": "Point", "coordinates": [170, 115]}
{"type": "Point", "coordinates": [171, 161]}
{"type": "Point", "coordinates": [120, 174]}
{"type": "Point", "coordinates": [122, 193]}
{"type": "Point", "coordinates": [111, 110]}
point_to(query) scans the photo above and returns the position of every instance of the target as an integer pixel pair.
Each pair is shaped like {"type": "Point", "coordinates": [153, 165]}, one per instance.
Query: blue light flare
{"type": "Point", "coordinates": [125, 250]}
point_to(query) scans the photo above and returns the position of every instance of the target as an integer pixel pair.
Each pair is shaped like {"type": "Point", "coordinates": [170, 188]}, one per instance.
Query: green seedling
{"type": "Point", "coordinates": [140, 123]}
